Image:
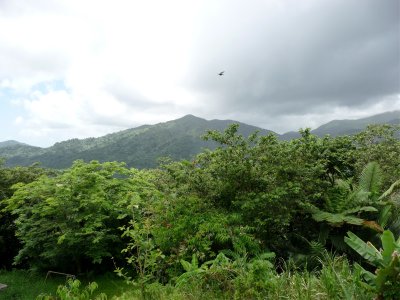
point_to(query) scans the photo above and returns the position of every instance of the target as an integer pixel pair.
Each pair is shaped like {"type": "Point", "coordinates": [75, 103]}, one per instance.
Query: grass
{"type": "Point", "coordinates": [25, 285]}
{"type": "Point", "coordinates": [336, 279]}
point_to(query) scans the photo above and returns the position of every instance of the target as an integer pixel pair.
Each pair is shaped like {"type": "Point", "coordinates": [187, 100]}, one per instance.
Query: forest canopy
{"type": "Point", "coordinates": [255, 200]}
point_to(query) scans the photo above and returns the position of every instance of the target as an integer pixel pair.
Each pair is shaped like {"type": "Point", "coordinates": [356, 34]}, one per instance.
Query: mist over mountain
{"type": "Point", "coordinates": [141, 147]}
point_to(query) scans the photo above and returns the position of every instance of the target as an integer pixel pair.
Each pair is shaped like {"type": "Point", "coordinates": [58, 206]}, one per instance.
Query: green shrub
{"type": "Point", "coordinates": [73, 291]}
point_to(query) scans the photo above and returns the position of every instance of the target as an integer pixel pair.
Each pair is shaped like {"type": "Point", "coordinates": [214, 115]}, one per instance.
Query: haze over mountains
{"type": "Point", "coordinates": [141, 147]}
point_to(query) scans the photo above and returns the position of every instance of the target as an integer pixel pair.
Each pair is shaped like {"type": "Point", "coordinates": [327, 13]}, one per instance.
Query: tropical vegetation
{"type": "Point", "coordinates": [254, 218]}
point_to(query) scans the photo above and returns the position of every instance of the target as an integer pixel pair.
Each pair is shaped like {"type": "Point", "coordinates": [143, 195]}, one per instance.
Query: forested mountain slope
{"type": "Point", "coordinates": [141, 147]}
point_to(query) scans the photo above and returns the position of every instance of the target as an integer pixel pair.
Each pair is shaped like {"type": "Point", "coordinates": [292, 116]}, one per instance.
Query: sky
{"type": "Point", "coordinates": [76, 69]}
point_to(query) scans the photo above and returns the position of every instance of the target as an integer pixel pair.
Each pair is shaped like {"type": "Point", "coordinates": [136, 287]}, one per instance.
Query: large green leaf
{"type": "Point", "coordinates": [389, 246]}
{"type": "Point", "coordinates": [366, 250]}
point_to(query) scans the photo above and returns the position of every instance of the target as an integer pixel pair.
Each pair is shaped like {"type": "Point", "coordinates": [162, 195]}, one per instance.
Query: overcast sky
{"type": "Point", "coordinates": [78, 68]}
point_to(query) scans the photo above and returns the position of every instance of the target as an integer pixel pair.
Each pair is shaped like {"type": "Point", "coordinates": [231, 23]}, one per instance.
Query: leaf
{"type": "Point", "coordinates": [385, 215]}
{"type": "Point", "coordinates": [389, 246]}
{"type": "Point", "coordinates": [195, 262]}
{"type": "Point", "coordinates": [336, 220]}
{"type": "Point", "coordinates": [359, 209]}
{"type": "Point", "coordinates": [373, 225]}
{"type": "Point", "coordinates": [390, 271]}
{"type": "Point", "coordinates": [61, 239]}
{"type": "Point", "coordinates": [366, 250]}
{"type": "Point", "coordinates": [353, 220]}
{"type": "Point", "coordinates": [368, 276]}
{"type": "Point", "coordinates": [186, 265]}
{"type": "Point", "coordinates": [390, 190]}
{"type": "Point", "coordinates": [371, 177]}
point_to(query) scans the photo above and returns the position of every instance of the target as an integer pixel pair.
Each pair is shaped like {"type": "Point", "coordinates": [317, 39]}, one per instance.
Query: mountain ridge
{"type": "Point", "coordinates": [139, 147]}
{"type": "Point", "coordinates": [142, 146]}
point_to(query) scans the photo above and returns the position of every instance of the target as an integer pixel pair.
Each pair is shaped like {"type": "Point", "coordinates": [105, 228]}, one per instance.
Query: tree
{"type": "Point", "coordinates": [379, 143]}
{"type": "Point", "coordinates": [71, 221]}
{"type": "Point", "coordinates": [9, 244]}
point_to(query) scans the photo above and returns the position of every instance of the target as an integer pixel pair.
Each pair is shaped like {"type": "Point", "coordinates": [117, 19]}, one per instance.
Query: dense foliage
{"type": "Point", "coordinates": [229, 220]}
{"type": "Point", "coordinates": [9, 244]}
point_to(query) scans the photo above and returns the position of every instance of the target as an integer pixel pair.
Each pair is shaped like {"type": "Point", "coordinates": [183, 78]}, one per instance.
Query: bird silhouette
{"type": "Point", "coordinates": [221, 73]}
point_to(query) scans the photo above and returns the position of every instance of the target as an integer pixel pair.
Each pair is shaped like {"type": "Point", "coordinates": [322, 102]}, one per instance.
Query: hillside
{"type": "Point", "coordinates": [10, 143]}
{"type": "Point", "coordinates": [349, 127]}
{"type": "Point", "coordinates": [139, 147]}
{"type": "Point", "coordinates": [343, 127]}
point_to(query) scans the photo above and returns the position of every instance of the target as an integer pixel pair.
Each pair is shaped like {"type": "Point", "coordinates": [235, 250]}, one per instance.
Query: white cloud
{"type": "Point", "coordinates": [125, 63]}
{"type": "Point", "coordinates": [97, 49]}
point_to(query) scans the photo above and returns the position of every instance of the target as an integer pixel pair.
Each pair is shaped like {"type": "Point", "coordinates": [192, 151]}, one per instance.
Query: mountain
{"type": "Point", "coordinates": [10, 143]}
{"type": "Point", "coordinates": [139, 147]}
{"type": "Point", "coordinates": [349, 127]}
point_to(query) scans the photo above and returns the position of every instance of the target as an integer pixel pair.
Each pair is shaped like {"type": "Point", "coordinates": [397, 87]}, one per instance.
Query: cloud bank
{"type": "Point", "coordinates": [86, 68]}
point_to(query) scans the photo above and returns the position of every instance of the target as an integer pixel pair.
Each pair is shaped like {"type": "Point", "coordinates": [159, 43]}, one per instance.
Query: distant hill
{"type": "Point", "coordinates": [141, 147]}
{"type": "Point", "coordinates": [349, 127]}
{"type": "Point", "coordinates": [10, 143]}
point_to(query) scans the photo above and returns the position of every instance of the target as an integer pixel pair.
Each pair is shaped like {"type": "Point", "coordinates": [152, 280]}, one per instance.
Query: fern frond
{"type": "Point", "coordinates": [343, 184]}
{"type": "Point", "coordinates": [323, 233]}
{"type": "Point", "coordinates": [358, 198]}
{"type": "Point", "coordinates": [338, 242]}
{"type": "Point", "coordinates": [317, 250]}
{"type": "Point", "coordinates": [384, 215]}
{"type": "Point", "coordinates": [339, 203]}
{"type": "Point", "coordinates": [359, 209]}
{"type": "Point", "coordinates": [371, 178]}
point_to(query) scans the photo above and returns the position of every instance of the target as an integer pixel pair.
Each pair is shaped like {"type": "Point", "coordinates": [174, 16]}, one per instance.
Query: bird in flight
{"type": "Point", "coordinates": [221, 73]}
